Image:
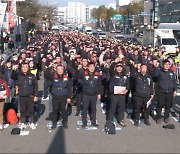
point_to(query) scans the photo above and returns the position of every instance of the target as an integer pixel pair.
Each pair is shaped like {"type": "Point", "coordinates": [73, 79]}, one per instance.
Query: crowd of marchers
{"type": "Point", "coordinates": [80, 69]}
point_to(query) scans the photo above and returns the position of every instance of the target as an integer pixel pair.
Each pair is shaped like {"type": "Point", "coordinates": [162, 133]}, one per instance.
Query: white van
{"type": "Point", "coordinates": [165, 38]}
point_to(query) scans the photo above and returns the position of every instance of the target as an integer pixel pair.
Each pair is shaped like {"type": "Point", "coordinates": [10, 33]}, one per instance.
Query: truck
{"type": "Point", "coordinates": [161, 38]}
{"type": "Point", "coordinates": [174, 26]}
{"type": "Point", "coordinates": [88, 30]}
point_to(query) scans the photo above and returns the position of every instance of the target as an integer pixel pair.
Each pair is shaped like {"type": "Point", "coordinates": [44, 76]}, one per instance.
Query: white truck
{"type": "Point", "coordinates": [165, 38]}
{"type": "Point", "coordinates": [88, 30]}
{"type": "Point", "coordinates": [162, 38]}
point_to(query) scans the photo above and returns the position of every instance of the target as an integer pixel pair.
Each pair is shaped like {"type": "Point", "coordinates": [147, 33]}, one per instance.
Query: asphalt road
{"type": "Point", "coordinates": [131, 139]}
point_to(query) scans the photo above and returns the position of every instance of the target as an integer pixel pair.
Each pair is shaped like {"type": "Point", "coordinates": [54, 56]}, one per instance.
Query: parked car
{"type": "Point", "coordinates": [112, 31]}
{"type": "Point", "coordinates": [134, 40]}
{"type": "Point", "coordinates": [99, 30]}
{"type": "Point", "coordinates": [95, 34]}
{"type": "Point", "coordinates": [102, 35]}
{"type": "Point", "coordinates": [119, 37]}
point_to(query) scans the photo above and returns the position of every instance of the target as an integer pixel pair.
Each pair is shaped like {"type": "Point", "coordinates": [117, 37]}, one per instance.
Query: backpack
{"type": "Point", "coordinates": [110, 128]}
{"type": "Point", "coordinates": [11, 117]}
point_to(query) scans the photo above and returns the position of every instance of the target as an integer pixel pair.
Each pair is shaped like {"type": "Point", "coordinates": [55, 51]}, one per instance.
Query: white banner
{"type": "Point", "coordinates": [2, 13]}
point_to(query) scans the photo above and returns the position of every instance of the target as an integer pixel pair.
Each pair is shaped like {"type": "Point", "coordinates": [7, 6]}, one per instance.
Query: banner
{"type": "Point", "coordinates": [12, 14]}
{"type": "Point", "coordinates": [2, 13]}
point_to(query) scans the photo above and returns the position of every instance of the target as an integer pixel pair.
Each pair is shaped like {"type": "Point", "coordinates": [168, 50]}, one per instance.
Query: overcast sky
{"type": "Point", "coordinates": [87, 2]}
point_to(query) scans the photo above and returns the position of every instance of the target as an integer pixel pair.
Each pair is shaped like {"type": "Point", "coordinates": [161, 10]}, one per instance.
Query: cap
{"type": "Point", "coordinates": [143, 64]}
{"type": "Point", "coordinates": [166, 61]}
{"type": "Point", "coordinates": [169, 126]}
{"type": "Point", "coordinates": [15, 131]}
{"type": "Point", "coordinates": [90, 63]}
{"type": "Point", "coordinates": [119, 64]}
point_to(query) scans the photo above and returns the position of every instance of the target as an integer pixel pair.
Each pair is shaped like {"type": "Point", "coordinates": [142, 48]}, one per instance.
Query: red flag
{"type": "Point", "coordinates": [12, 14]}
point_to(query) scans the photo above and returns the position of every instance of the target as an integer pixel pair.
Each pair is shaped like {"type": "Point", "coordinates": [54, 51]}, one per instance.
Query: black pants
{"type": "Point", "coordinates": [140, 107]}
{"type": "Point", "coordinates": [26, 108]}
{"type": "Point", "coordinates": [117, 103]}
{"type": "Point", "coordinates": [89, 101]}
{"type": "Point", "coordinates": [79, 101]}
{"type": "Point", "coordinates": [164, 100]}
{"type": "Point", "coordinates": [59, 104]}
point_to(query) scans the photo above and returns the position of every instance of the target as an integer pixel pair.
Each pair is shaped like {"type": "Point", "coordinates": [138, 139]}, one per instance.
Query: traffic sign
{"type": "Point", "coordinates": [117, 17]}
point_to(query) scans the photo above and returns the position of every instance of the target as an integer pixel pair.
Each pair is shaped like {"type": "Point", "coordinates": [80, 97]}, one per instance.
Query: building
{"type": "Point", "coordinates": [76, 12]}
{"type": "Point", "coordinates": [89, 10]}
{"type": "Point", "coordinates": [169, 11]}
{"type": "Point", "coordinates": [122, 3]}
{"type": "Point", "coordinates": [62, 14]}
{"type": "Point", "coordinates": [150, 12]}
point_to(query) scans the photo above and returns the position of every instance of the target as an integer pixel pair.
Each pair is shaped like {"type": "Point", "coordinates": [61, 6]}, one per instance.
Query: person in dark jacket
{"type": "Point", "coordinates": [91, 92]}
{"type": "Point", "coordinates": [3, 95]}
{"type": "Point", "coordinates": [143, 92]}
{"type": "Point", "coordinates": [167, 88]}
{"type": "Point", "coordinates": [28, 93]}
{"type": "Point", "coordinates": [119, 86]}
{"type": "Point", "coordinates": [80, 71]}
{"type": "Point", "coordinates": [61, 91]}
{"type": "Point", "coordinates": [11, 83]}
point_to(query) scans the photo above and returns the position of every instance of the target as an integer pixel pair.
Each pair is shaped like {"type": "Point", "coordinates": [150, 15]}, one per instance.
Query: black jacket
{"type": "Point", "coordinates": [91, 83]}
{"type": "Point", "coordinates": [61, 85]}
{"type": "Point", "coordinates": [143, 85]}
{"type": "Point", "coordinates": [27, 84]}
{"type": "Point", "coordinates": [166, 80]}
{"type": "Point", "coordinates": [119, 80]}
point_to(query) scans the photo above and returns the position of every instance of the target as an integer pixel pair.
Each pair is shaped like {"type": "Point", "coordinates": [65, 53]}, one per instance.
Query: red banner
{"type": "Point", "coordinates": [12, 14]}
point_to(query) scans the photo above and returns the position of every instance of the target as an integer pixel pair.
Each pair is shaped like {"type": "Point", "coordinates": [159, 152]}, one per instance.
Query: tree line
{"type": "Point", "coordinates": [34, 13]}
{"type": "Point", "coordinates": [105, 13]}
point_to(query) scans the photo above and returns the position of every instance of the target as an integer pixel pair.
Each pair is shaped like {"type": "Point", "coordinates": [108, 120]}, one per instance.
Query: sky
{"type": "Point", "coordinates": [87, 2]}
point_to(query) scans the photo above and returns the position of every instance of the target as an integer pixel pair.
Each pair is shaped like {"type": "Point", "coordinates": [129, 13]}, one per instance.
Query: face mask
{"type": "Point", "coordinates": [15, 59]}
{"type": "Point", "coordinates": [54, 53]}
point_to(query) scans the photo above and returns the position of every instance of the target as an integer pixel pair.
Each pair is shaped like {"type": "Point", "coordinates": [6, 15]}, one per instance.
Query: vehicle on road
{"type": "Point", "coordinates": [88, 30]}
{"type": "Point", "coordinates": [119, 37]}
{"type": "Point", "coordinates": [102, 35]}
{"type": "Point", "coordinates": [134, 40]}
{"type": "Point", "coordinates": [55, 29]}
{"type": "Point", "coordinates": [95, 34]}
{"type": "Point", "coordinates": [99, 30]}
{"type": "Point", "coordinates": [118, 31]}
{"type": "Point", "coordinates": [161, 38]}
{"type": "Point", "coordinates": [174, 26]}
{"type": "Point", "coordinates": [112, 31]}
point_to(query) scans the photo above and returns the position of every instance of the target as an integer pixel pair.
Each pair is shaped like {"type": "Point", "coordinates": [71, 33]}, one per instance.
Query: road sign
{"type": "Point", "coordinates": [117, 17]}
{"type": "Point", "coordinates": [92, 20]}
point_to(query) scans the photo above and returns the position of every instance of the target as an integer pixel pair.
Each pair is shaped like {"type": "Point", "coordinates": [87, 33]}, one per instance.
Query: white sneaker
{"type": "Point", "coordinates": [22, 126]}
{"type": "Point", "coordinates": [32, 126]}
{"type": "Point", "coordinates": [1, 127]}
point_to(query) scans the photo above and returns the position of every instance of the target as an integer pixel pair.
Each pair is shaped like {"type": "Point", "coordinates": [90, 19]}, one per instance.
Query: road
{"type": "Point", "coordinates": [131, 139]}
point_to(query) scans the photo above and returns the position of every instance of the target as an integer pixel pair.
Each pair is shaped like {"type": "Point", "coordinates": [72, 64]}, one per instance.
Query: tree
{"type": "Point", "coordinates": [29, 10]}
{"type": "Point", "coordinates": [33, 13]}
{"type": "Point", "coordinates": [133, 8]}
{"type": "Point", "coordinates": [110, 13]}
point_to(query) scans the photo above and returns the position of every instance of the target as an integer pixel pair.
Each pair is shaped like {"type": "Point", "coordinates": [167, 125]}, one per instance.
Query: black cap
{"type": "Point", "coordinates": [90, 63]}
{"type": "Point", "coordinates": [15, 131]}
{"type": "Point", "coordinates": [166, 61]}
{"type": "Point", "coordinates": [119, 64]}
{"type": "Point", "coordinates": [169, 126]}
